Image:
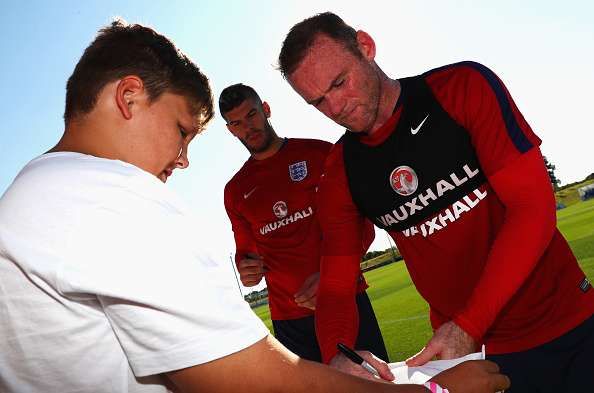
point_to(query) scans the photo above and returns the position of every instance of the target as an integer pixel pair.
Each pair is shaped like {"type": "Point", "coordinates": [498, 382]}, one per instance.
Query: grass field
{"type": "Point", "coordinates": [403, 314]}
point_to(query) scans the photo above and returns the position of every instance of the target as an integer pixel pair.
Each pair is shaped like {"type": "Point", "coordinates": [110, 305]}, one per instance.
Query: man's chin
{"type": "Point", "coordinates": [358, 127]}
{"type": "Point", "coordinates": [259, 148]}
{"type": "Point", "coordinates": [163, 177]}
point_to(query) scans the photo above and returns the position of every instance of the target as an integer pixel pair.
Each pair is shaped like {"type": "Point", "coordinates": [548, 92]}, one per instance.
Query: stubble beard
{"type": "Point", "coordinates": [372, 91]}
{"type": "Point", "coordinates": [266, 143]}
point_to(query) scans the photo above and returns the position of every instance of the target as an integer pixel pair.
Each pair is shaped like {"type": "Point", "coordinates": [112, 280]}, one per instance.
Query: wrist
{"type": "Point", "coordinates": [469, 328]}
{"type": "Point", "coordinates": [435, 388]}
{"type": "Point", "coordinates": [330, 356]}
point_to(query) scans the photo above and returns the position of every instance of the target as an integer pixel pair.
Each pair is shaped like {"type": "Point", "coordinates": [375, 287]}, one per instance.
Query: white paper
{"type": "Point", "coordinates": [420, 375]}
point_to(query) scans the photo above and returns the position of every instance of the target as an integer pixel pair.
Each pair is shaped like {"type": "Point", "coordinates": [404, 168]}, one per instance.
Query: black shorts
{"type": "Point", "coordinates": [299, 335]}
{"type": "Point", "coordinates": [564, 365]}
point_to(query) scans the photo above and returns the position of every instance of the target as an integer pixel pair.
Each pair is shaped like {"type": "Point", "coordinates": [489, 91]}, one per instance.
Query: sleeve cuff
{"type": "Point", "coordinates": [470, 328]}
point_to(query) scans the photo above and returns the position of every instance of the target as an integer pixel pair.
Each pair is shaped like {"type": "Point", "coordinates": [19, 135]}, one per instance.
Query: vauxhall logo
{"type": "Point", "coordinates": [404, 181]}
{"type": "Point", "coordinates": [281, 211]}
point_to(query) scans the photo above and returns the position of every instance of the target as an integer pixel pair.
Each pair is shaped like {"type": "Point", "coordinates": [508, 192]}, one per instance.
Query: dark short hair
{"type": "Point", "coordinates": [232, 96]}
{"type": "Point", "coordinates": [122, 49]}
{"type": "Point", "coordinates": [302, 35]}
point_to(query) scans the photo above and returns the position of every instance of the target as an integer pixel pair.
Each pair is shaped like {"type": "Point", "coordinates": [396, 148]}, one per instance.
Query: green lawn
{"type": "Point", "coordinates": [402, 313]}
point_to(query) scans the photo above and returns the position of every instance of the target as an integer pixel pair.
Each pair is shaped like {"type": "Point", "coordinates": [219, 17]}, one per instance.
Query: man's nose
{"type": "Point", "coordinates": [335, 106]}
{"type": "Point", "coordinates": [182, 160]}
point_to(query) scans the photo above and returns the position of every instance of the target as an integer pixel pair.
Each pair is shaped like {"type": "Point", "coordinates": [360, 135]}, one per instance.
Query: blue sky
{"type": "Point", "coordinates": [543, 51]}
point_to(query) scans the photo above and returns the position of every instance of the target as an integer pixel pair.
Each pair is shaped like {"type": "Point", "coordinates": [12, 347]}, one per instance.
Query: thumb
{"type": "Point", "coordinates": [425, 355]}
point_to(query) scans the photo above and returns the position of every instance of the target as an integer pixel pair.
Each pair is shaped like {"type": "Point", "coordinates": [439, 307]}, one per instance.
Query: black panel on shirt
{"type": "Point", "coordinates": [440, 149]}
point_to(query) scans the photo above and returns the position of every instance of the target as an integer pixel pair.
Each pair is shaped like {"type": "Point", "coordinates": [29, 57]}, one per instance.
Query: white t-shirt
{"type": "Point", "coordinates": [102, 282]}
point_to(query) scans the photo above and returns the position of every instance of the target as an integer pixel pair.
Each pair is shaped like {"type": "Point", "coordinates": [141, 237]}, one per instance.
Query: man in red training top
{"type": "Point", "coordinates": [445, 162]}
{"type": "Point", "coordinates": [270, 202]}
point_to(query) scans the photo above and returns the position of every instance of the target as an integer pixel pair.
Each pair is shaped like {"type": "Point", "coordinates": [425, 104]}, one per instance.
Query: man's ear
{"type": "Point", "coordinates": [128, 91]}
{"type": "Point", "coordinates": [266, 109]}
{"type": "Point", "coordinates": [366, 45]}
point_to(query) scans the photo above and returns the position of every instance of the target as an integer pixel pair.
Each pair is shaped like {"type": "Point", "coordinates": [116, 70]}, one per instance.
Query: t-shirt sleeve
{"type": "Point", "coordinates": [242, 232]}
{"type": "Point", "coordinates": [477, 99]}
{"type": "Point", "coordinates": [170, 305]}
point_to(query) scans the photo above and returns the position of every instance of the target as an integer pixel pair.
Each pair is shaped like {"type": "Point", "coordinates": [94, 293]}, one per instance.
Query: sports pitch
{"type": "Point", "coordinates": [403, 314]}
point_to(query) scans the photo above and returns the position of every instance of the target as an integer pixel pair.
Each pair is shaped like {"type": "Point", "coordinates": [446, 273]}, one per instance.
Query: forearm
{"type": "Point", "coordinates": [267, 367]}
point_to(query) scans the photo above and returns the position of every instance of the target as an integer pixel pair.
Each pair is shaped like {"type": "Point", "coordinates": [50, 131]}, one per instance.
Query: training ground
{"type": "Point", "coordinates": [403, 314]}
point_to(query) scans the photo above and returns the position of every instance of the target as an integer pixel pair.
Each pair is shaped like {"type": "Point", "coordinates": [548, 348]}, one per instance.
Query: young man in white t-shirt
{"type": "Point", "coordinates": [103, 285]}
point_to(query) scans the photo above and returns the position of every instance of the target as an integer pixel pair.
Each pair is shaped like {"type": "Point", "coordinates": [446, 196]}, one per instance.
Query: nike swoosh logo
{"type": "Point", "coordinates": [415, 130]}
{"type": "Point", "coordinates": [246, 196]}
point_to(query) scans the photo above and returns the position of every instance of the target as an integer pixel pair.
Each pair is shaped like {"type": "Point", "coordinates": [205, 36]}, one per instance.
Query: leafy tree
{"type": "Point", "coordinates": [372, 254]}
{"type": "Point", "coordinates": [551, 170]}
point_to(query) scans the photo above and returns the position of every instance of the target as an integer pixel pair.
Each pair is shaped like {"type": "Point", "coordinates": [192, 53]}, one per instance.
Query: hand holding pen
{"type": "Point", "coordinates": [361, 363]}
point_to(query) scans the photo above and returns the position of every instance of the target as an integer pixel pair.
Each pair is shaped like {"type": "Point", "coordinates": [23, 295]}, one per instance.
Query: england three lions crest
{"type": "Point", "coordinates": [298, 171]}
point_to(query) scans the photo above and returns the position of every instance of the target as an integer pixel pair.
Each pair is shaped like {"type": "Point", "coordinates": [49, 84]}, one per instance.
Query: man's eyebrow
{"type": "Point", "coordinates": [316, 101]}
{"type": "Point", "coordinates": [251, 112]}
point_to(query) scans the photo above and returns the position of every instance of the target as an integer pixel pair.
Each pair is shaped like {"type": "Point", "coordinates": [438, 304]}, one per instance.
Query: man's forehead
{"type": "Point", "coordinates": [319, 53]}
{"type": "Point", "coordinates": [243, 108]}
{"type": "Point", "coordinates": [322, 63]}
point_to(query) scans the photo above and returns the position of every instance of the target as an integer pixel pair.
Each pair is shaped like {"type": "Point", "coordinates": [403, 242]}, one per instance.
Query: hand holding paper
{"type": "Point", "coordinates": [422, 374]}
{"type": "Point", "coordinates": [473, 374]}
{"type": "Point", "coordinates": [448, 342]}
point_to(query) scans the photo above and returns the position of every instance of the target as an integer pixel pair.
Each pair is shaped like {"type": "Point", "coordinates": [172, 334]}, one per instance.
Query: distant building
{"type": "Point", "coordinates": [586, 192]}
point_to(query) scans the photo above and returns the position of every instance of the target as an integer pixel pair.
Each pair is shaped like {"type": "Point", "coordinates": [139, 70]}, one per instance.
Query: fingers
{"type": "Point", "coordinates": [490, 366]}
{"type": "Point", "coordinates": [475, 376]}
{"type": "Point", "coordinates": [340, 362]}
{"type": "Point", "coordinates": [425, 355]}
{"type": "Point", "coordinates": [251, 280]}
{"type": "Point", "coordinates": [307, 303]}
{"type": "Point", "coordinates": [251, 266]}
{"type": "Point", "coordinates": [251, 271]}
{"type": "Point", "coordinates": [382, 367]}
{"type": "Point", "coordinates": [306, 295]}
{"type": "Point", "coordinates": [501, 382]}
